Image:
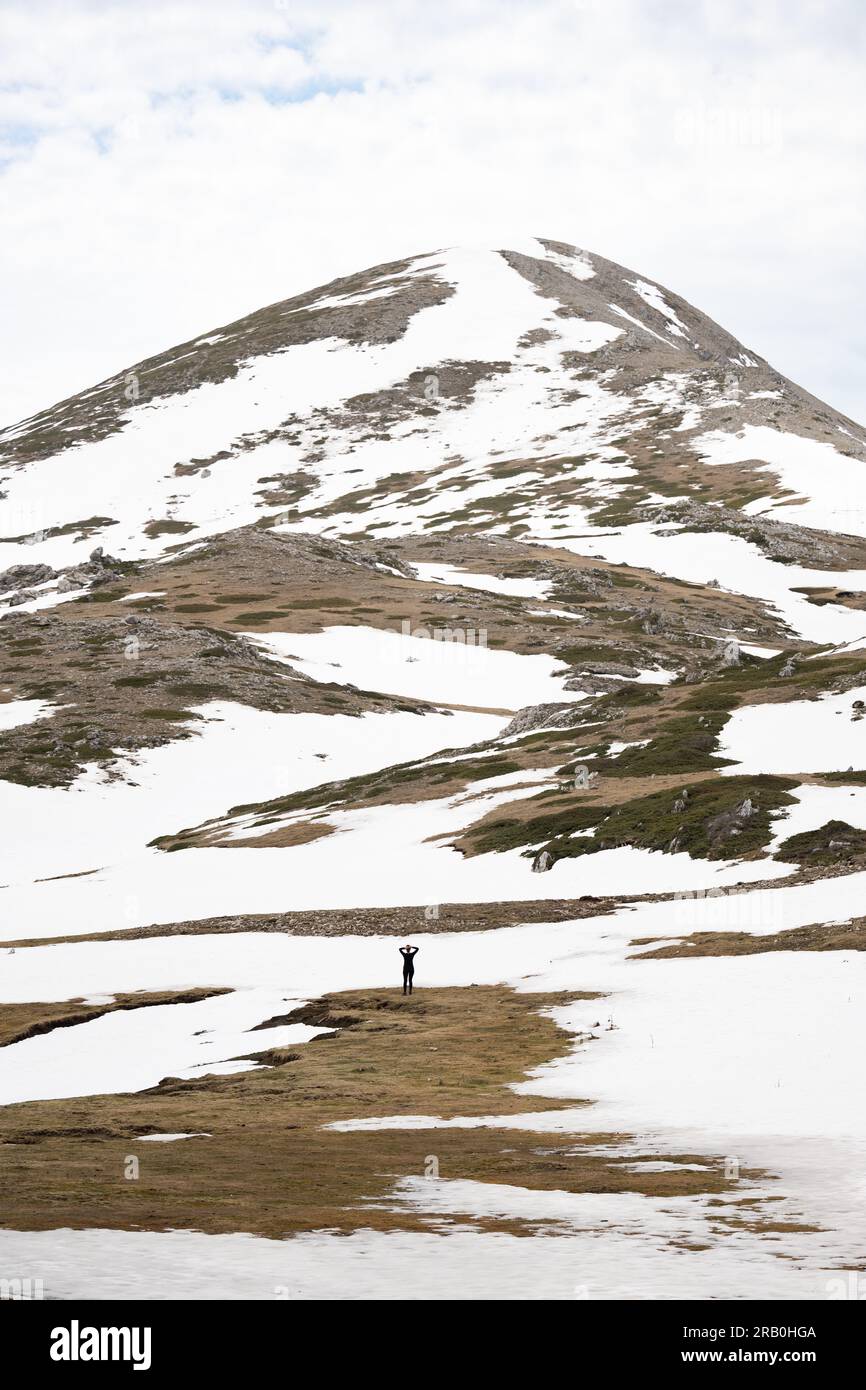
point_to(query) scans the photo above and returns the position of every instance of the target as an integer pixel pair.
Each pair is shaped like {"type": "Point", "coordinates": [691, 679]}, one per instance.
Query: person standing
{"type": "Point", "coordinates": [408, 953]}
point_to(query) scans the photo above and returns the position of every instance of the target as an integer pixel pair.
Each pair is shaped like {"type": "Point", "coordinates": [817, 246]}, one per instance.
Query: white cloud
{"type": "Point", "coordinates": [173, 165]}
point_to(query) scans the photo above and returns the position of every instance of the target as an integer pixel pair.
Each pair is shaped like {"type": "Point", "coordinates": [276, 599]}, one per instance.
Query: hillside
{"type": "Point", "coordinates": [500, 601]}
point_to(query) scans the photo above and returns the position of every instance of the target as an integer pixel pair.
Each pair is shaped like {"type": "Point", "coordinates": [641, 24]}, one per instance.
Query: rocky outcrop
{"type": "Point", "coordinates": [731, 823]}
{"type": "Point", "coordinates": [99, 569]}
{"type": "Point", "coordinates": [780, 540]}
{"type": "Point", "coordinates": [24, 577]}
{"type": "Point", "coordinates": [539, 717]}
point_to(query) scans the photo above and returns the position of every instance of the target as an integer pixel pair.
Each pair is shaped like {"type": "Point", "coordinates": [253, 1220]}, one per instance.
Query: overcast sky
{"type": "Point", "coordinates": [166, 167]}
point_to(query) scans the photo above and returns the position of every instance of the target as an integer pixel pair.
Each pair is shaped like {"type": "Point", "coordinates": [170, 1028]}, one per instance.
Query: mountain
{"type": "Point", "coordinates": [500, 598]}
{"type": "Point", "coordinates": [513, 392]}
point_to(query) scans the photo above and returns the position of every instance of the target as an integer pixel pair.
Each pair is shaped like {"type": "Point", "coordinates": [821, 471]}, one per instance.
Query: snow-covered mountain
{"type": "Point", "coordinates": [524, 391]}
{"type": "Point", "coordinates": [498, 597]}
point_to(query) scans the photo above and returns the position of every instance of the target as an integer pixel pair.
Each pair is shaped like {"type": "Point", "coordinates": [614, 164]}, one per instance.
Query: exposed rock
{"type": "Point", "coordinates": [780, 540]}
{"type": "Point", "coordinates": [98, 570]}
{"type": "Point", "coordinates": [653, 622]}
{"type": "Point", "coordinates": [542, 862]}
{"type": "Point", "coordinates": [730, 823]}
{"type": "Point", "coordinates": [540, 717]}
{"type": "Point", "coordinates": [24, 576]}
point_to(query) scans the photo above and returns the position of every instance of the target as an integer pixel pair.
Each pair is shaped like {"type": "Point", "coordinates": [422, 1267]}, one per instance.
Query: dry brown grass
{"type": "Point", "coordinates": [253, 581]}
{"type": "Point", "coordinates": [285, 837]}
{"type": "Point", "coordinates": [824, 936]}
{"type": "Point", "coordinates": [20, 1021]}
{"type": "Point", "coordinates": [271, 1168]}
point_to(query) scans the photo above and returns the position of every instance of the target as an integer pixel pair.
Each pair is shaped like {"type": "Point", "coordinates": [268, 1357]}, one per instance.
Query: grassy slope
{"type": "Point", "coordinates": [270, 1167]}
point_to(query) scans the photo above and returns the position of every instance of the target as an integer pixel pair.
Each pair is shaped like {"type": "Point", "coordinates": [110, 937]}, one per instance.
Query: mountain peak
{"type": "Point", "coordinates": [522, 389]}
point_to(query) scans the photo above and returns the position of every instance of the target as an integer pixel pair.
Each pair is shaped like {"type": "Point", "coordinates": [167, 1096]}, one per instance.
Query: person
{"type": "Point", "coordinates": [408, 953]}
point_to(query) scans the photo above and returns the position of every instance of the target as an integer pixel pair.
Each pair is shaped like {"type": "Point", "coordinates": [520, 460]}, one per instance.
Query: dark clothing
{"type": "Point", "coordinates": [408, 953]}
